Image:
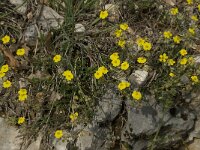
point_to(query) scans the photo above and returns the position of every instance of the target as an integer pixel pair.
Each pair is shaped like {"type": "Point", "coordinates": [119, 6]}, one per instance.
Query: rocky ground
{"type": "Point", "coordinates": [178, 128]}
{"type": "Point", "coordinates": [117, 122]}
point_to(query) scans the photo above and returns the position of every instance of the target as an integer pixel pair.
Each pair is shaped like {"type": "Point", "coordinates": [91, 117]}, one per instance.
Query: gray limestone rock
{"type": "Point", "coordinates": [36, 144]}
{"type": "Point", "coordinates": [49, 18]}
{"type": "Point", "coordinates": [93, 137]}
{"type": "Point", "coordinates": [141, 121]}
{"type": "Point", "coordinates": [139, 77]}
{"type": "Point", "coordinates": [31, 35]}
{"type": "Point", "coordinates": [21, 5]}
{"type": "Point", "coordinates": [79, 28]}
{"type": "Point", "coordinates": [109, 106]}
{"type": "Point", "coordinates": [148, 119]}
{"type": "Point", "coordinates": [9, 139]}
{"type": "Point", "coordinates": [113, 11]}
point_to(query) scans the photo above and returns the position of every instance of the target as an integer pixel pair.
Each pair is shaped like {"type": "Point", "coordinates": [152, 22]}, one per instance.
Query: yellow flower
{"type": "Point", "coordinates": [98, 74]}
{"type": "Point", "coordinates": [115, 62]}
{"type": "Point", "coordinates": [147, 46]}
{"type": "Point", "coordinates": [163, 57]}
{"type": "Point", "coordinates": [123, 26]}
{"type": "Point", "coordinates": [57, 58]}
{"type": "Point", "coordinates": [2, 74]}
{"type": "Point", "coordinates": [125, 65]}
{"type": "Point", "coordinates": [183, 61]}
{"type": "Point", "coordinates": [58, 134]}
{"type": "Point", "coordinates": [22, 94]}
{"type": "Point", "coordinates": [141, 60]}
{"type": "Point", "coordinates": [121, 43]}
{"type": "Point", "coordinates": [194, 79]}
{"type": "Point", "coordinates": [68, 75]}
{"type": "Point", "coordinates": [4, 68]}
{"type": "Point", "coordinates": [177, 39]}
{"type": "Point", "coordinates": [7, 84]}
{"type": "Point", "coordinates": [118, 33]}
{"type": "Point", "coordinates": [22, 97]}
{"type": "Point", "coordinates": [171, 74]}
{"type": "Point", "coordinates": [167, 34]}
{"type": "Point", "coordinates": [73, 116]}
{"type": "Point", "coordinates": [20, 52]}
{"type": "Point", "coordinates": [171, 62]}
{"type": "Point", "coordinates": [21, 120]}
{"type": "Point", "coordinates": [190, 2]}
{"type": "Point", "coordinates": [103, 14]}
{"type": "Point", "coordinates": [137, 95]}
{"type": "Point", "coordinates": [5, 39]}
{"type": "Point", "coordinates": [198, 7]}
{"type": "Point", "coordinates": [191, 30]}
{"type": "Point", "coordinates": [123, 84]}
{"type": "Point", "coordinates": [22, 91]}
{"type": "Point", "coordinates": [114, 56]}
{"type": "Point", "coordinates": [174, 11]}
{"type": "Point", "coordinates": [194, 17]}
{"type": "Point", "coordinates": [103, 69]}
{"type": "Point", "coordinates": [183, 52]}
{"type": "Point", "coordinates": [140, 41]}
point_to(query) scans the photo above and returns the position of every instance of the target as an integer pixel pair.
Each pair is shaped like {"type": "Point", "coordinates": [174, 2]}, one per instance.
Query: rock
{"type": "Point", "coordinates": [179, 124]}
{"type": "Point", "coordinates": [60, 144]}
{"type": "Point", "coordinates": [66, 143]}
{"type": "Point", "coordinates": [93, 137]}
{"type": "Point", "coordinates": [195, 103]}
{"type": "Point", "coordinates": [176, 128]}
{"type": "Point", "coordinates": [49, 18]}
{"type": "Point", "coordinates": [146, 120]}
{"type": "Point", "coordinates": [109, 107]}
{"type": "Point", "coordinates": [55, 96]}
{"type": "Point", "coordinates": [141, 121]}
{"type": "Point", "coordinates": [39, 75]}
{"type": "Point", "coordinates": [197, 59]}
{"type": "Point", "coordinates": [195, 145]}
{"type": "Point", "coordinates": [139, 77]}
{"type": "Point", "coordinates": [184, 79]}
{"type": "Point", "coordinates": [140, 145]}
{"type": "Point", "coordinates": [113, 11]}
{"type": "Point", "coordinates": [79, 28]}
{"type": "Point", "coordinates": [171, 2]}
{"type": "Point", "coordinates": [196, 132]}
{"type": "Point", "coordinates": [8, 137]}
{"type": "Point", "coordinates": [36, 144]}
{"type": "Point", "coordinates": [31, 35]}
{"type": "Point", "coordinates": [22, 4]}
{"type": "Point", "coordinates": [195, 106]}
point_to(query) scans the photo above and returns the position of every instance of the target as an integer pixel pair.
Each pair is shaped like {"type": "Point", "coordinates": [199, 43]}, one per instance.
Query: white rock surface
{"type": "Point", "coordinates": [36, 144]}
{"type": "Point", "coordinates": [60, 145]}
{"type": "Point", "coordinates": [109, 106]}
{"type": "Point", "coordinates": [195, 145]}
{"type": "Point", "coordinates": [8, 137]}
{"type": "Point", "coordinates": [139, 76]}
{"type": "Point", "coordinates": [79, 28]}
{"type": "Point", "coordinates": [85, 139]}
{"type": "Point", "coordinates": [197, 59]}
{"type": "Point", "coordinates": [21, 4]}
{"type": "Point", "coordinates": [93, 137]}
{"type": "Point", "coordinates": [50, 18]}
{"type": "Point", "coordinates": [30, 35]}
{"type": "Point", "coordinates": [113, 12]}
